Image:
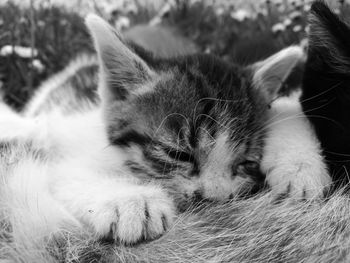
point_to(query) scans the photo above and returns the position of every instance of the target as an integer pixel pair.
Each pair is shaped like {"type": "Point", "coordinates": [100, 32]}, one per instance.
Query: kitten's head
{"type": "Point", "coordinates": [326, 84]}
{"type": "Point", "coordinates": [194, 123]}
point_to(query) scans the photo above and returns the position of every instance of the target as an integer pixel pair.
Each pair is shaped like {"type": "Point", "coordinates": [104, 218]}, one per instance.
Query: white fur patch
{"type": "Point", "coordinates": [217, 180]}
{"type": "Point", "coordinates": [56, 81]}
{"type": "Point", "coordinates": [292, 158]}
{"type": "Point", "coordinates": [112, 204]}
{"type": "Point", "coordinates": [82, 180]}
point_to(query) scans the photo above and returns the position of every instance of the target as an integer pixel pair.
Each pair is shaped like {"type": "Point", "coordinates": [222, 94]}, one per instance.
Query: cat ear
{"type": "Point", "coordinates": [122, 71]}
{"type": "Point", "coordinates": [270, 74]}
{"type": "Point", "coordinates": [329, 40]}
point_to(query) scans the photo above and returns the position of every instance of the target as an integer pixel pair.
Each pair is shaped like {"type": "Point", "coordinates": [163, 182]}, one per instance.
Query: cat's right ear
{"type": "Point", "coordinates": [122, 71]}
{"type": "Point", "coordinates": [270, 74]}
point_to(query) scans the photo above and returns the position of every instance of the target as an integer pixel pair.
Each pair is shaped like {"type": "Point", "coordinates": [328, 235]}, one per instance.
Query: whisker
{"type": "Point", "coordinates": [169, 115]}
{"type": "Point", "coordinates": [323, 92]}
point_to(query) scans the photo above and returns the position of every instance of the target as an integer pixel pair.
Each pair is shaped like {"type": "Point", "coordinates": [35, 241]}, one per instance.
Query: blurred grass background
{"type": "Point", "coordinates": [38, 38]}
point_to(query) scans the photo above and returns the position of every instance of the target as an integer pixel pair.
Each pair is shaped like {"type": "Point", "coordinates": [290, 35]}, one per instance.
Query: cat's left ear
{"type": "Point", "coordinates": [122, 72]}
{"type": "Point", "coordinates": [270, 74]}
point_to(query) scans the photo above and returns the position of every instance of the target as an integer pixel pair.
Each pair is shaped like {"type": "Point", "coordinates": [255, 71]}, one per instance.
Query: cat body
{"type": "Point", "coordinates": [326, 97]}
{"type": "Point", "coordinates": [121, 166]}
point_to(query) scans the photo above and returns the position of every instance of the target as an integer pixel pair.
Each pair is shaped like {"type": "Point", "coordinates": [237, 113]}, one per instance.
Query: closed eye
{"type": "Point", "coordinates": [179, 155]}
{"type": "Point", "coordinates": [249, 166]}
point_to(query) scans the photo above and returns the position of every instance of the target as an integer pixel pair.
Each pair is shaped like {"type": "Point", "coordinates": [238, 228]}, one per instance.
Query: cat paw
{"type": "Point", "coordinates": [144, 214]}
{"type": "Point", "coordinates": [299, 181]}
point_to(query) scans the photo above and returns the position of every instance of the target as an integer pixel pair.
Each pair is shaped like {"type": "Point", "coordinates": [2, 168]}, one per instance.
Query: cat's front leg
{"type": "Point", "coordinates": [292, 159]}
{"type": "Point", "coordinates": [118, 210]}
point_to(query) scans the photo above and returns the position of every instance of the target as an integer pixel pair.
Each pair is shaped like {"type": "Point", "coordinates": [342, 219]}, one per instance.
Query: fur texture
{"type": "Point", "coordinates": [326, 98]}
{"type": "Point", "coordinates": [83, 185]}
{"type": "Point", "coordinates": [253, 230]}
{"type": "Point", "coordinates": [77, 84]}
{"type": "Point", "coordinates": [196, 124]}
{"type": "Point", "coordinates": [293, 161]}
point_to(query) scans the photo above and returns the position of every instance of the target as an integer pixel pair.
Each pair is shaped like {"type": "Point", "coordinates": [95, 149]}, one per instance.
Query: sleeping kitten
{"type": "Point", "coordinates": [326, 97]}
{"type": "Point", "coordinates": [209, 133]}
{"type": "Point", "coordinates": [166, 132]}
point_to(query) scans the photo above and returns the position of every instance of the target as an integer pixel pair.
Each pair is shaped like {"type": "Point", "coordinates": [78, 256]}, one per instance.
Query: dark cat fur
{"type": "Point", "coordinates": [326, 87]}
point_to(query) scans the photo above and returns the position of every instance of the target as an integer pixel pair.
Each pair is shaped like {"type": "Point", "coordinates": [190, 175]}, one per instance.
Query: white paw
{"type": "Point", "coordinates": [292, 158]}
{"type": "Point", "coordinates": [299, 180]}
{"type": "Point", "coordinates": [143, 214]}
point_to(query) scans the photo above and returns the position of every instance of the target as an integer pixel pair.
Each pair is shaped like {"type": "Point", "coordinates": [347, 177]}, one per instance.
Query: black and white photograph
{"type": "Point", "coordinates": [174, 131]}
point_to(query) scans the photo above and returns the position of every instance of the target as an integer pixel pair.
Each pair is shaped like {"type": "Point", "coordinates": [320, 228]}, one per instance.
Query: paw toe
{"type": "Point", "coordinates": [135, 218]}
{"type": "Point", "coordinates": [160, 217]}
